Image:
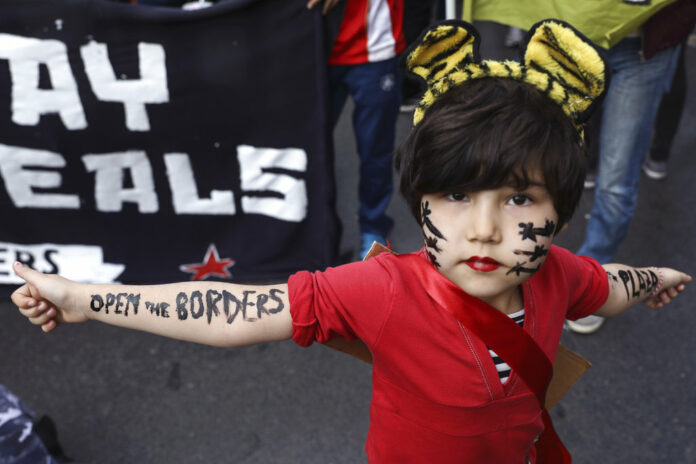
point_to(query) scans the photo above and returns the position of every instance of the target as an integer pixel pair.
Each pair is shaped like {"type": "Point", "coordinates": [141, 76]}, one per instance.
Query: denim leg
{"type": "Point", "coordinates": [376, 91]}
{"type": "Point", "coordinates": [628, 116]}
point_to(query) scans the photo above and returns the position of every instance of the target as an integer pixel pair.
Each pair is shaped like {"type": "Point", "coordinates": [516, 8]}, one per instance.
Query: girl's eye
{"type": "Point", "coordinates": [519, 200]}
{"type": "Point", "coordinates": [457, 196]}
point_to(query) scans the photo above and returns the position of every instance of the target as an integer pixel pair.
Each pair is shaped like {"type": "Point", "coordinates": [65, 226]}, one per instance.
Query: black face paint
{"type": "Point", "coordinates": [433, 259]}
{"type": "Point", "coordinates": [425, 212]}
{"type": "Point", "coordinates": [539, 252]}
{"type": "Point", "coordinates": [530, 232]}
{"type": "Point", "coordinates": [431, 242]}
{"type": "Point", "coordinates": [519, 268]}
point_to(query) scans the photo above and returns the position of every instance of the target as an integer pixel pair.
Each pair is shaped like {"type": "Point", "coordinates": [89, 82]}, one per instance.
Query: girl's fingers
{"type": "Point", "coordinates": [50, 325]}
{"type": "Point", "coordinates": [32, 312]}
{"type": "Point", "coordinates": [664, 298]}
{"type": "Point", "coordinates": [43, 318]}
{"type": "Point", "coordinates": [23, 299]}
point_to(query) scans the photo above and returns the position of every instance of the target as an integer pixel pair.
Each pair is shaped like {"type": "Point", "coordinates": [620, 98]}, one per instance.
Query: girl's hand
{"type": "Point", "coordinates": [46, 299]}
{"type": "Point", "coordinates": [672, 286]}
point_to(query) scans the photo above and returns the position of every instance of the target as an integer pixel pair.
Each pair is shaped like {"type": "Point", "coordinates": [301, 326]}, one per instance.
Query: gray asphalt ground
{"type": "Point", "coordinates": [125, 397]}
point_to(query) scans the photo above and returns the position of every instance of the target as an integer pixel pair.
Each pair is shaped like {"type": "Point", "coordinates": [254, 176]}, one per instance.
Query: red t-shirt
{"type": "Point", "coordinates": [370, 31]}
{"type": "Point", "coordinates": [436, 393]}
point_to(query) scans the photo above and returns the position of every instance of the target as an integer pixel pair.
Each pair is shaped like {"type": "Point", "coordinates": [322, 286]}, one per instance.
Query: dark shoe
{"type": "Point", "coordinates": [45, 428]}
{"type": "Point", "coordinates": [656, 170]}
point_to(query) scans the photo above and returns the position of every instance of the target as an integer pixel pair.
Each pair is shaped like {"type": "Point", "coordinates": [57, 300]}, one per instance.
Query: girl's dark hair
{"type": "Point", "coordinates": [488, 133]}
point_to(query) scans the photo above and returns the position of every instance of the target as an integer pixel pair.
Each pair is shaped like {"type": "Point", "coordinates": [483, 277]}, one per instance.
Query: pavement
{"type": "Point", "coordinates": [119, 396]}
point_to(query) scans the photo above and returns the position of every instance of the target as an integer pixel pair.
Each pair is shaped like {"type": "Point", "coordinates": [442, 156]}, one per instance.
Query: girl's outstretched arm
{"type": "Point", "coordinates": [653, 286]}
{"type": "Point", "coordinates": [213, 313]}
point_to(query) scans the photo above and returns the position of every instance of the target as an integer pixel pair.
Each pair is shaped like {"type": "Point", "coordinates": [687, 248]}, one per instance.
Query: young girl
{"type": "Point", "coordinates": [492, 172]}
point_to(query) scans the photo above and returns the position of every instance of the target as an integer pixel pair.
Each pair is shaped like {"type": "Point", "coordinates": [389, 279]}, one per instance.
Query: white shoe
{"type": "Point", "coordinates": [586, 325]}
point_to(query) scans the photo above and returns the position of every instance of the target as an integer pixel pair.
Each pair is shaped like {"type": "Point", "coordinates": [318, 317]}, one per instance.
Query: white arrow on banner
{"type": "Point", "coordinates": [81, 263]}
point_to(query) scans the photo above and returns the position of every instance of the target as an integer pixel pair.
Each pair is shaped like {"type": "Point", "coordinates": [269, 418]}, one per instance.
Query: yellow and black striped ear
{"type": "Point", "coordinates": [442, 50]}
{"type": "Point", "coordinates": [556, 59]}
{"type": "Point", "coordinates": [569, 67]}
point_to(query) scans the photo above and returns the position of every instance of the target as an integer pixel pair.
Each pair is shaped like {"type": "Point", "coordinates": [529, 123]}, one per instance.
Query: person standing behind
{"type": "Point", "coordinates": [667, 123]}
{"type": "Point", "coordinates": [642, 41]}
{"type": "Point", "coordinates": [643, 65]}
{"type": "Point", "coordinates": [364, 64]}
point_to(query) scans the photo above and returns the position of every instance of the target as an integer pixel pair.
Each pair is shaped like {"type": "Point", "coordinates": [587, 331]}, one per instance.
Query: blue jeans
{"type": "Point", "coordinates": [628, 116]}
{"type": "Point", "coordinates": [376, 92]}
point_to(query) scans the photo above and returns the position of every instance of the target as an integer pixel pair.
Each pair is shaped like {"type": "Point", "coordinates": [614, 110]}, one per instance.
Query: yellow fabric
{"type": "Point", "coordinates": [557, 61]}
{"type": "Point", "coordinates": [605, 22]}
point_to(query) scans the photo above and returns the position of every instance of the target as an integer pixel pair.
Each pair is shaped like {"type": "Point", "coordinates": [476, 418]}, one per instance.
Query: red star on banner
{"type": "Point", "coordinates": [211, 265]}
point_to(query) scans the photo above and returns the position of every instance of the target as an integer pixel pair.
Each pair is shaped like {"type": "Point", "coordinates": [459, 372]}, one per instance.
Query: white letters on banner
{"type": "Point", "coordinates": [292, 202]}
{"type": "Point", "coordinates": [19, 181]}
{"type": "Point", "coordinates": [185, 193]}
{"type": "Point", "coordinates": [109, 193]}
{"type": "Point", "coordinates": [133, 93]}
{"type": "Point", "coordinates": [29, 102]}
{"type": "Point", "coordinates": [82, 263]}
{"type": "Point", "coordinates": [264, 190]}
{"type": "Point", "coordinates": [278, 195]}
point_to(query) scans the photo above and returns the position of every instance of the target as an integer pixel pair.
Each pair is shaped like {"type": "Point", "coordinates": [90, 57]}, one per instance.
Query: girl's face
{"type": "Point", "coordinates": [489, 242]}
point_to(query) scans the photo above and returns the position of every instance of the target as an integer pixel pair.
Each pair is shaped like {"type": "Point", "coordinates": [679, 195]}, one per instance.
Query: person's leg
{"type": "Point", "coordinates": [627, 118]}
{"type": "Point", "coordinates": [628, 114]}
{"type": "Point", "coordinates": [375, 88]}
{"type": "Point", "coordinates": [667, 122]}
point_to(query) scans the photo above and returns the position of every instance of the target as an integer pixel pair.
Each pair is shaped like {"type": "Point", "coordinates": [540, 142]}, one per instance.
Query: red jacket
{"type": "Point", "coordinates": [436, 392]}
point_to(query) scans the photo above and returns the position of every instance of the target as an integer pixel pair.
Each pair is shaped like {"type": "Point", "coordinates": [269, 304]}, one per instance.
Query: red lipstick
{"type": "Point", "coordinates": [482, 264]}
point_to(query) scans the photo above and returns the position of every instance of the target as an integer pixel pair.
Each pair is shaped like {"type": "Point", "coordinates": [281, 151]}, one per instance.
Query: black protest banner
{"type": "Point", "coordinates": [146, 144]}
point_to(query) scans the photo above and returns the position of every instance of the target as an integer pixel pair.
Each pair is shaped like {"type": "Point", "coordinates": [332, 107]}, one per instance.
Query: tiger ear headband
{"type": "Point", "coordinates": [556, 59]}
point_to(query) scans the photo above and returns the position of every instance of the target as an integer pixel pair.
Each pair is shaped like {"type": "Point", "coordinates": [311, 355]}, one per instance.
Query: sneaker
{"type": "Point", "coordinates": [590, 180]}
{"type": "Point", "coordinates": [586, 325]}
{"type": "Point", "coordinates": [366, 241]}
{"type": "Point", "coordinates": [656, 170]}
{"type": "Point", "coordinates": [409, 104]}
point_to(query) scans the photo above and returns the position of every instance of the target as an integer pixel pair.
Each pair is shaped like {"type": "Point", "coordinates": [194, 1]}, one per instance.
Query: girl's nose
{"type": "Point", "coordinates": [484, 225]}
